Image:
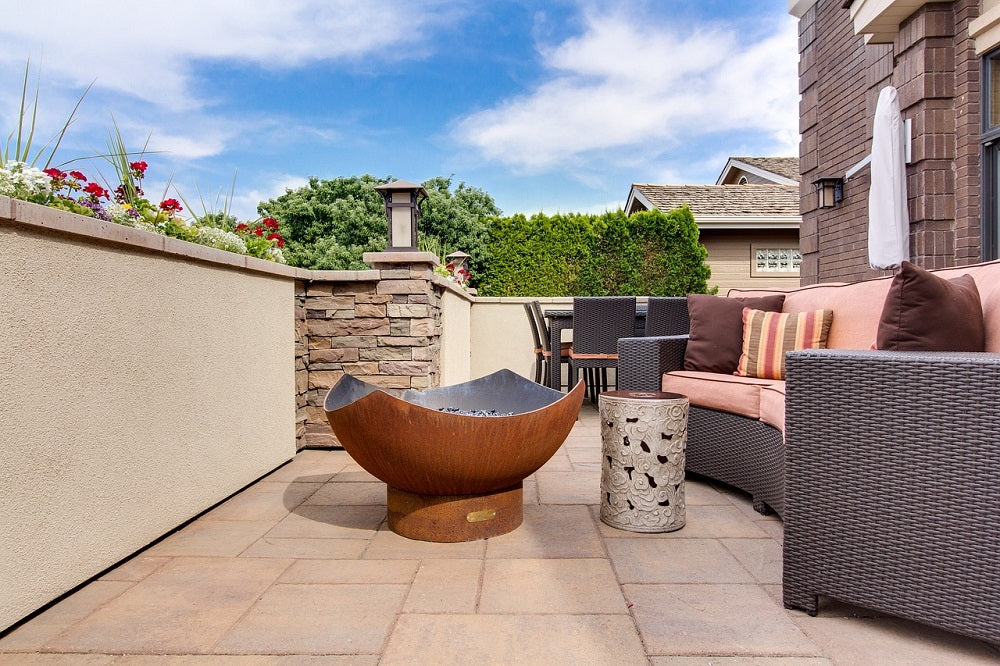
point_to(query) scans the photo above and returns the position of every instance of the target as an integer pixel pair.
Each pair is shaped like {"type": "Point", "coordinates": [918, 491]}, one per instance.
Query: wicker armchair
{"type": "Point", "coordinates": [892, 497]}
{"type": "Point", "coordinates": [741, 452]}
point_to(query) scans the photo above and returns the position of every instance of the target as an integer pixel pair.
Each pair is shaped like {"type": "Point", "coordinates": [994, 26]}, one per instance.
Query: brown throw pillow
{"type": "Point", "coordinates": [716, 334]}
{"type": "Point", "coordinates": [924, 312]}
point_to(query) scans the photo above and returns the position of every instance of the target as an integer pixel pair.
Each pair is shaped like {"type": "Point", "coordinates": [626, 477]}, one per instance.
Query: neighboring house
{"type": "Point", "coordinates": [748, 221]}
{"type": "Point", "coordinates": [944, 59]}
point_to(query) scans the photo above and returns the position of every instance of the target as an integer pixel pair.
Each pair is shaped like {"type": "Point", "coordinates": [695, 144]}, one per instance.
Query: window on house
{"type": "Point", "coordinates": [782, 260]}
{"type": "Point", "coordinates": [990, 140]}
{"type": "Point", "coordinates": [743, 180]}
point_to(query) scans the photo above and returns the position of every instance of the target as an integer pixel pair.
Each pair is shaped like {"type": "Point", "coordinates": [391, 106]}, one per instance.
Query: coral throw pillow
{"type": "Point", "coordinates": [925, 312]}
{"type": "Point", "coordinates": [768, 335]}
{"type": "Point", "coordinates": [716, 332]}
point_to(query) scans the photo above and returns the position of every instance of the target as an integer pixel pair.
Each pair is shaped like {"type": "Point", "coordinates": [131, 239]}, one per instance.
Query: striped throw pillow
{"type": "Point", "coordinates": [768, 335]}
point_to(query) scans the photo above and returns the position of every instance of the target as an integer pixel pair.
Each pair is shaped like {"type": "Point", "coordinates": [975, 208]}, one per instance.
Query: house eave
{"type": "Point", "coordinates": [733, 163]}
{"type": "Point", "coordinates": [786, 222]}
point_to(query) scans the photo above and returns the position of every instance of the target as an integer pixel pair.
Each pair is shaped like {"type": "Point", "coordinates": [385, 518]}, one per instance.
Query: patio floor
{"type": "Point", "coordinates": [302, 565]}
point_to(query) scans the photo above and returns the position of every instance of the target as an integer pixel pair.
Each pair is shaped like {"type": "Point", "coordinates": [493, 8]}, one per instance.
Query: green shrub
{"type": "Point", "coordinates": [647, 254]}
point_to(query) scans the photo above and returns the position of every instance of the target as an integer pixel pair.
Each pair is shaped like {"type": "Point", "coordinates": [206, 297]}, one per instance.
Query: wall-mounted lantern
{"type": "Point", "coordinates": [829, 192]}
{"type": "Point", "coordinates": [402, 208]}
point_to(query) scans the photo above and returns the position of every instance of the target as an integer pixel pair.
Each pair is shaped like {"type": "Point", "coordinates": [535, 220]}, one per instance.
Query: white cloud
{"type": "Point", "coordinates": [146, 49]}
{"type": "Point", "coordinates": [244, 204]}
{"type": "Point", "coordinates": [627, 86]}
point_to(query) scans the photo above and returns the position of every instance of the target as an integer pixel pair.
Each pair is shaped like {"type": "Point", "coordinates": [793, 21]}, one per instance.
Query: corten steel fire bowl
{"type": "Point", "coordinates": [452, 476]}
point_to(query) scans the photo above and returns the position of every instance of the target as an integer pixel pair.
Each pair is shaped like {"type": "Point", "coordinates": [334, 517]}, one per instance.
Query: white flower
{"type": "Point", "coordinates": [119, 213]}
{"type": "Point", "coordinates": [221, 239]}
{"type": "Point", "coordinates": [20, 181]}
{"type": "Point", "coordinates": [274, 254]}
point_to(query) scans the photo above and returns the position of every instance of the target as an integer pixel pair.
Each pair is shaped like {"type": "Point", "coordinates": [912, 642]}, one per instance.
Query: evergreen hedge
{"type": "Point", "coordinates": [646, 254]}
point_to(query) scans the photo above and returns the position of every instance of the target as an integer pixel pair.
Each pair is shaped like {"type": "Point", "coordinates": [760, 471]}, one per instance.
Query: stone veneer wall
{"type": "Point", "coordinates": [382, 326]}
{"type": "Point", "coordinates": [933, 65]}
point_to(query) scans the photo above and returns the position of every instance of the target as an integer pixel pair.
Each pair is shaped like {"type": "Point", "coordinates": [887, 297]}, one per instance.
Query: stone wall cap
{"type": "Point", "coordinates": [371, 275]}
{"type": "Point", "coordinates": [441, 281]}
{"type": "Point", "coordinates": [400, 258]}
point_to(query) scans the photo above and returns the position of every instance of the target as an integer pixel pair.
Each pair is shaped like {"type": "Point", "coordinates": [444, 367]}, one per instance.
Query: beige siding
{"type": "Point", "coordinates": [731, 259]}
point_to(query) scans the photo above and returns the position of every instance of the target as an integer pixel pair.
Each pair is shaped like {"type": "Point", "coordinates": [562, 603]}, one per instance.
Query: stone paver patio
{"type": "Point", "coordinates": [301, 568]}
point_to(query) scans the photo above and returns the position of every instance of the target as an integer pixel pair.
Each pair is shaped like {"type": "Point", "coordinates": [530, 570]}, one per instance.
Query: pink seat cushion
{"type": "Point", "coordinates": [772, 405]}
{"type": "Point", "coordinates": [728, 393]}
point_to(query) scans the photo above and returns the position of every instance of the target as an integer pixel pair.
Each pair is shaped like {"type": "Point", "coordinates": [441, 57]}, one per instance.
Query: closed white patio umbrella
{"type": "Point", "coordinates": [888, 218]}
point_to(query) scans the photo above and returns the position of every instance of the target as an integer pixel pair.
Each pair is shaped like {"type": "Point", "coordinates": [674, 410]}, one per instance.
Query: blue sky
{"type": "Point", "coordinates": [548, 106]}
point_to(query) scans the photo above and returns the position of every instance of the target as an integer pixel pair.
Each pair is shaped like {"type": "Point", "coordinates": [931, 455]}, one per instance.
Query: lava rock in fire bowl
{"type": "Point", "coordinates": [453, 458]}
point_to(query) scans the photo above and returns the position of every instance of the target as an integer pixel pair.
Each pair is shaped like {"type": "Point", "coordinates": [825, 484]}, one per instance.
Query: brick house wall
{"type": "Point", "coordinates": [933, 65]}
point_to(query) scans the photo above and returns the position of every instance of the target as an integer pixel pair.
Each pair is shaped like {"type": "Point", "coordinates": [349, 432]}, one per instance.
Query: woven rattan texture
{"type": "Point", "coordinates": [667, 315]}
{"type": "Point", "coordinates": [598, 323]}
{"type": "Point", "coordinates": [742, 452]}
{"type": "Point", "coordinates": [893, 461]}
{"type": "Point", "coordinates": [540, 365]}
{"type": "Point", "coordinates": [642, 362]}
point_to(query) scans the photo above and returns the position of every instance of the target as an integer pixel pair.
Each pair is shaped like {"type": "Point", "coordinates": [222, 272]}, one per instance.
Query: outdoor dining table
{"type": "Point", "coordinates": [561, 320]}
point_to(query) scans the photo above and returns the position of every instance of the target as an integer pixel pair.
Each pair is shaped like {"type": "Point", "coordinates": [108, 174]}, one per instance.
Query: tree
{"type": "Point", "coordinates": [329, 224]}
{"type": "Point", "coordinates": [458, 219]}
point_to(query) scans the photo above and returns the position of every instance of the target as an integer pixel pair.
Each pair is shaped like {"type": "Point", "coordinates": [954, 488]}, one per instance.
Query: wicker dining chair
{"type": "Point", "coordinates": [545, 333]}
{"type": "Point", "coordinates": [667, 315]}
{"type": "Point", "coordinates": [598, 323]}
{"type": "Point", "coordinates": [540, 369]}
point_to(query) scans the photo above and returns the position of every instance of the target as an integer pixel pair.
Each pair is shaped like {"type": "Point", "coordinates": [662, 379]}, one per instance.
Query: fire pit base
{"type": "Point", "coordinates": [454, 518]}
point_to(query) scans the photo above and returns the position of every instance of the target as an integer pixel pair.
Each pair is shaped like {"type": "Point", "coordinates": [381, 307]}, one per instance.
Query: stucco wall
{"type": "Point", "coordinates": [501, 337]}
{"type": "Point", "coordinates": [139, 387]}
{"type": "Point", "coordinates": [456, 338]}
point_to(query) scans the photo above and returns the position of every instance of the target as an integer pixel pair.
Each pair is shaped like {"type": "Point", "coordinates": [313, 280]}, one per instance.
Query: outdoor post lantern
{"type": "Point", "coordinates": [402, 207]}
{"type": "Point", "coordinates": [829, 192]}
{"type": "Point", "coordinates": [459, 260]}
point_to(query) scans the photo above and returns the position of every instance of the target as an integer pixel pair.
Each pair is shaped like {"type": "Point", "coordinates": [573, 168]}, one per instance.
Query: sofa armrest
{"type": "Point", "coordinates": [642, 362]}
{"type": "Point", "coordinates": [891, 500]}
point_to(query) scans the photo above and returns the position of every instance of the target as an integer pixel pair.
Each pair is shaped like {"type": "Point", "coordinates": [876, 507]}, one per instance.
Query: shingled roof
{"type": "Point", "coordinates": [783, 166]}
{"type": "Point", "coordinates": [724, 200]}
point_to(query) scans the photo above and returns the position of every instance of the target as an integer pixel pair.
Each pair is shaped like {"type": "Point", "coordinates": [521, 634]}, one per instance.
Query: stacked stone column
{"type": "Point", "coordinates": [382, 326]}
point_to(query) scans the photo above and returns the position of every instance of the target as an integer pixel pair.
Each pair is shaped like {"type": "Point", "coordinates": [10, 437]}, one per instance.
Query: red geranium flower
{"type": "Point", "coordinates": [277, 237]}
{"type": "Point", "coordinates": [171, 206]}
{"type": "Point", "coordinates": [258, 230]}
{"type": "Point", "coordinates": [96, 191]}
{"type": "Point", "coordinates": [77, 176]}
{"type": "Point", "coordinates": [242, 226]}
{"type": "Point", "coordinates": [138, 167]}
{"type": "Point", "coordinates": [270, 222]}
{"type": "Point", "coordinates": [55, 174]}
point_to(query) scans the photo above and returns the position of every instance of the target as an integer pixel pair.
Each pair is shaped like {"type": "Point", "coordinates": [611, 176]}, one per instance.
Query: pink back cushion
{"type": "Point", "coordinates": [857, 308]}
{"type": "Point", "coordinates": [987, 277]}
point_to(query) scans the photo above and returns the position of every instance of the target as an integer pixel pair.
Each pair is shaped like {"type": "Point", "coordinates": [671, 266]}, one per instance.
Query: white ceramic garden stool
{"type": "Point", "coordinates": [643, 434]}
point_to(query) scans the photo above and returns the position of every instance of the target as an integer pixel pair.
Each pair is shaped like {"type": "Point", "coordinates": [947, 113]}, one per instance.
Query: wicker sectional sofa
{"type": "Point", "coordinates": [884, 465]}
